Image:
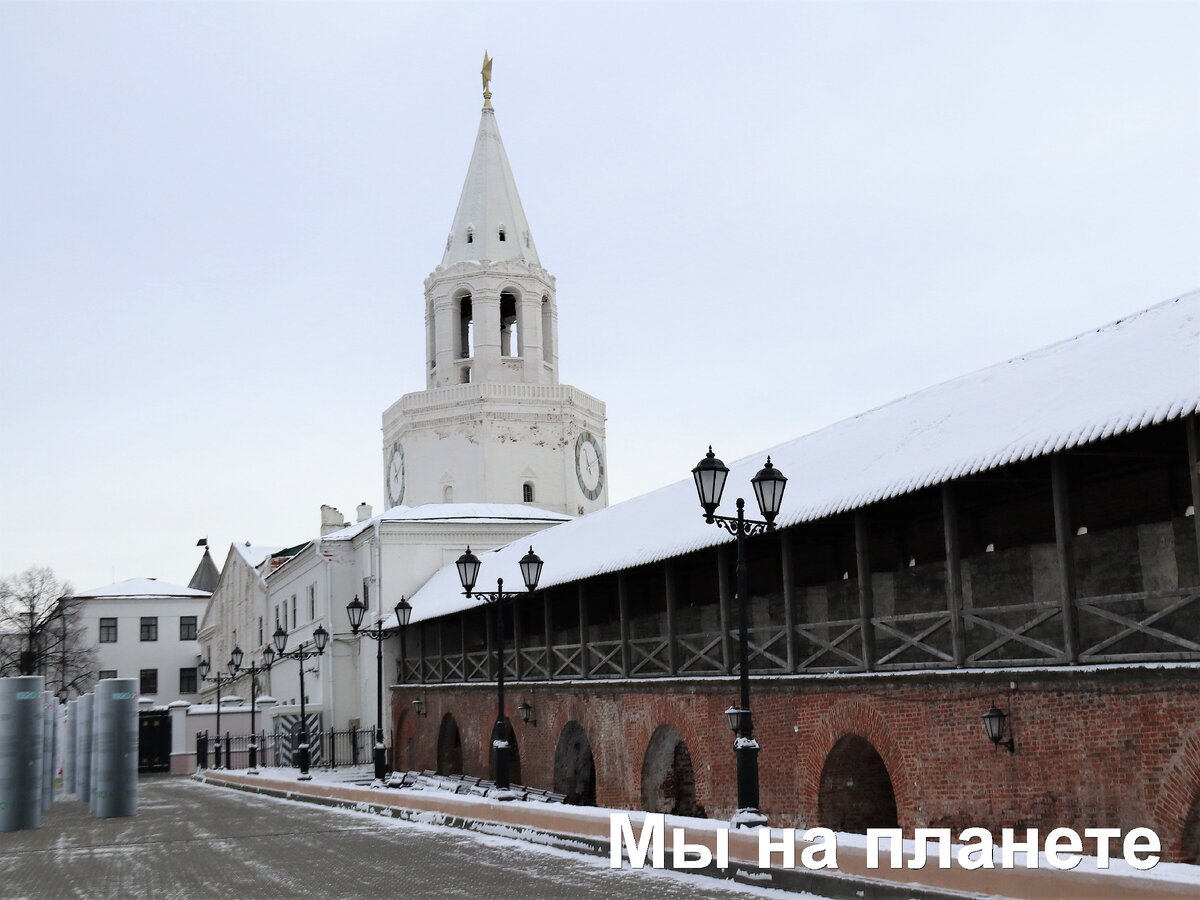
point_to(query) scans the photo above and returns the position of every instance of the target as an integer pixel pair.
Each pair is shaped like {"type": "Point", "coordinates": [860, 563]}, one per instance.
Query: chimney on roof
{"type": "Point", "coordinates": [331, 519]}
{"type": "Point", "coordinates": [364, 511]}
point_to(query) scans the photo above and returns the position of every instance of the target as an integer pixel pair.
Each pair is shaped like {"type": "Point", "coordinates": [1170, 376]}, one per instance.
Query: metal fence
{"type": "Point", "coordinates": [328, 749]}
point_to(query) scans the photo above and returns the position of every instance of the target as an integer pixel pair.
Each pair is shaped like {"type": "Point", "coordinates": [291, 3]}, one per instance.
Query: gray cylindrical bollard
{"type": "Point", "coordinates": [83, 748]}
{"type": "Point", "coordinates": [68, 743]}
{"type": "Point", "coordinates": [115, 743]}
{"type": "Point", "coordinates": [49, 708]}
{"type": "Point", "coordinates": [22, 722]}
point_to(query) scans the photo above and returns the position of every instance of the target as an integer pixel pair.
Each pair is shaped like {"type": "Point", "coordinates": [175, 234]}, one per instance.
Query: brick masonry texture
{"type": "Point", "coordinates": [1117, 747]}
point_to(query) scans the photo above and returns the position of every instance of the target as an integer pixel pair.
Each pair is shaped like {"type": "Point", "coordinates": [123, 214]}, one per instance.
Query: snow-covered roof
{"type": "Point", "coordinates": [142, 587]}
{"type": "Point", "coordinates": [255, 556]}
{"type": "Point", "coordinates": [1134, 372]}
{"type": "Point", "coordinates": [469, 513]}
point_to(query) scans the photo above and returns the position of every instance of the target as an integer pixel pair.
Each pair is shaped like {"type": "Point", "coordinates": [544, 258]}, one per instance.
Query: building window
{"type": "Point", "coordinates": [187, 681]}
{"type": "Point", "coordinates": [294, 619]}
{"type": "Point", "coordinates": [149, 629]}
{"type": "Point", "coordinates": [470, 236]}
{"type": "Point", "coordinates": [106, 673]}
{"type": "Point", "coordinates": [260, 633]}
{"type": "Point", "coordinates": [527, 492]}
{"type": "Point", "coordinates": [276, 615]}
{"type": "Point", "coordinates": [108, 631]}
{"type": "Point", "coordinates": [501, 232]}
{"type": "Point", "coordinates": [149, 681]}
{"type": "Point", "coordinates": [312, 601]}
{"type": "Point", "coordinates": [367, 593]}
{"type": "Point", "coordinates": [187, 628]}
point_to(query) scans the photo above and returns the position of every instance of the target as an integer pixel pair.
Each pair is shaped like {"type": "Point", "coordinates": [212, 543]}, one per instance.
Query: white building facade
{"type": "Point", "coordinates": [146, 629]}
{"type": "Point", "coordinates": [235, 615]}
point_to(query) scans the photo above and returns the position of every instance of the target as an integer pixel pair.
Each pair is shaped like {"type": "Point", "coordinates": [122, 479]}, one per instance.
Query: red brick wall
{"type": "Point", "coordinates": [1117, 748]}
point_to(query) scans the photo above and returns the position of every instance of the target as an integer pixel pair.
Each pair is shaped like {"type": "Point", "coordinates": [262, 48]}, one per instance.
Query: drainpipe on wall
{"type": "Point", "coordinates": [327, 685]}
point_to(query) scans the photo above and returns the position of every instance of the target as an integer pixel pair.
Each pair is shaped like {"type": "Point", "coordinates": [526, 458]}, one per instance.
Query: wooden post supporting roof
{"type": "Point", "coordinates": [954, 591]}
{"type": "Point", "coordinates": [489, 629]}
{"type": "Point", "coordinates": [669, 576]}
{"type": "Point", "coordinates": [724, 617]}
{"type": "Point", "coordinates": [462, 645]}
{"type": "Point", "coordinates": [403, 656]}
{"type": "Point", "coordinates": [441, 650]}
{"type": "Point", "coordinates": [789, 597]}
{"type": "Point", "coordinates": [623, 606]}
{"type": "Point", "coordinates": [420, 651]}
{"type": "Point", "coordinates": [866, 596]}
{"type": "Point", "coordinates": [1192, 424]}
{"type": "Point", "coordinates": [585, 665]}
{"type": "Point", "coordinates": [515, 605]}
{"type": "Point", "coordinates": [1064, 538]}
{"type": "Point", "coordinates": [547, 626]}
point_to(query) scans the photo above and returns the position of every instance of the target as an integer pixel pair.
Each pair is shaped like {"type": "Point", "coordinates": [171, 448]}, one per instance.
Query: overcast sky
{"type": "Point", "coordinates": [216, 219]}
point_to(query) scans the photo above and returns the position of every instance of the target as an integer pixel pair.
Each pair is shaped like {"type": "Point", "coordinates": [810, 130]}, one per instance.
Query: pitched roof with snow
{"type": "Point", "coordinates": [469, 513]}
{"type": "Point", "coordinates": [253, 555]}
{"type": "Point", "coordinates": [142, 587]}
{"type": "Point", "coordinates": [1137, 371]}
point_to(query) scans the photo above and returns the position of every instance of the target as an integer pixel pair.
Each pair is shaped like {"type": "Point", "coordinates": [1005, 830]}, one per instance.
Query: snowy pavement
{"type": "Point", "coordinates": [194, 840]}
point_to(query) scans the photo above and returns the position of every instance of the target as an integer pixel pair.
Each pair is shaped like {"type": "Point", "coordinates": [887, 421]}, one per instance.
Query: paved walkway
{"type": "Point", "coordinates": [193, 840]}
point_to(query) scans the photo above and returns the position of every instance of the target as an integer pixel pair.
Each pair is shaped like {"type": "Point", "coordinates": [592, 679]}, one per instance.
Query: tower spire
{"type": "Point", "coordinates": [490, 222]}
{"type": "Point", "coordinates": [486, 72]}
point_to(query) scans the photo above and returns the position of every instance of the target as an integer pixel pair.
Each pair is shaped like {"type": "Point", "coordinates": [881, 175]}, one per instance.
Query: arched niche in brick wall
{"type": "Point", "coordinates": [668, 777]}
{"type": "Point", "coordinates": [856, 789]}
{"type": "Point", "coordinates": [1177, 812]}
{"type": "Point", "coordinates": [449, 748]}
{"type": "Point", "coordinates": [574, 766]}
{"type": "Point", "coordinates": [514, 751]}
{"type": "Point", "coordinates": [404, 740]}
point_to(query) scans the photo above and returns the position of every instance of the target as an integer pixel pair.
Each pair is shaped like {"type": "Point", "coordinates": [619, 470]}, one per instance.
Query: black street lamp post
{"type": "Point", "coordinates": [468, 573]}
{"type": "Point", "coordinates": [303, 653]}
{"type": "Point", "coordinates": [710, 474]}
{"type": "Point", "coordinates": [254, 671]}
{"type": "Point", "coordinates": [235, 663]}
{"type": "Point", "coordinates": [355, 609]}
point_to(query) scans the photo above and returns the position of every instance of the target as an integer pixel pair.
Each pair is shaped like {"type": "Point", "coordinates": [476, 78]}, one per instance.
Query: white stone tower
{"type": "Point", "coordinates": [493, 425]}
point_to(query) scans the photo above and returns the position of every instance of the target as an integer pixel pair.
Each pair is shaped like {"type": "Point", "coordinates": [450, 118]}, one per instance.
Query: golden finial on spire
{"type": "Point", "coordinates": [486, 72]}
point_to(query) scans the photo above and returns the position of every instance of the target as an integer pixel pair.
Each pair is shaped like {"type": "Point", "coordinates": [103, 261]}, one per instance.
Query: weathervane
{"type": "Point", "coordinates": [486, 72]}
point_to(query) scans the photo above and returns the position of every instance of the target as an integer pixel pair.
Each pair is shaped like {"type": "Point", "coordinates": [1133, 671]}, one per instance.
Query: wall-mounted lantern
{"type": "Point", "coordinates": [526, 713]}
{"type": "Point", "coordinates": [419, 706]}
{"type": "Point", "coordinates": [993, 725]}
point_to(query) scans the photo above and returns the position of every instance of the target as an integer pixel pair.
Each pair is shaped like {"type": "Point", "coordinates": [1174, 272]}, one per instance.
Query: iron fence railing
{"type": "Point", "coordinates": [328, 749]}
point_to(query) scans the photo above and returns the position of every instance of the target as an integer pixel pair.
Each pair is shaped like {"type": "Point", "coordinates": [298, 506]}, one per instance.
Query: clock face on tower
{"type": "Point", "coordinates": [394, 475]}
{"type": "Point", "coordinates": [589, 465]}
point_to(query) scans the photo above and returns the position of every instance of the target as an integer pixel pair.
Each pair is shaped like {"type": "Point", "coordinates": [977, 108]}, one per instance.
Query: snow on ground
{"type": "Point", "coordinates": [514, 847]}
{"type": "Point", "coordinates": [1175, 872]}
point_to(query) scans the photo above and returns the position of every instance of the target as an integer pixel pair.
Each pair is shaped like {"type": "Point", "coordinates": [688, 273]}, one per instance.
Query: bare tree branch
{"type": "Point", "coordinates": [41, 632]}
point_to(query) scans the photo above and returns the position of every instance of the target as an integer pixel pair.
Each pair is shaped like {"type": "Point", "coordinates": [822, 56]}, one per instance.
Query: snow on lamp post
{"type": "Point", "coordinates": [268, 656]}
{"type": "Point", "coordinates": [306, 651]}
{"type": "Point", "coordinates": [356, 610]}
{"type": "Point", "coordinates": [710, 475]}
{"type": "Point", "coordinates": [468, 573]}
{"type": "Point", "coordinates": [235, 662]}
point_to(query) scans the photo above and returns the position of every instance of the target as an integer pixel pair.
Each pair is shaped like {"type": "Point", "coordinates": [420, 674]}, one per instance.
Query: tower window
{"type": "Point", "coordinates": [470, 236]}
{"type": "Point", "coordinates": [448, 493]}
{"type": "Point", "coordinates": [527, 492]}
{"type": "Point", "coordinates": [501, 232]}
